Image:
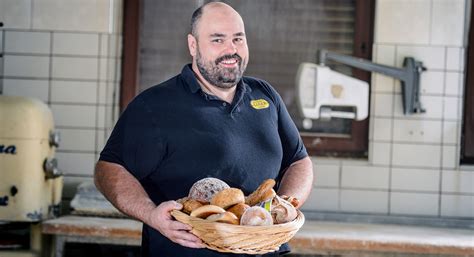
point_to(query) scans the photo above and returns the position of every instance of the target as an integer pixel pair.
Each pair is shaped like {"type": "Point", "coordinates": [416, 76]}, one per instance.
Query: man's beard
{"type": "Point", "coordinates": [219, 76]}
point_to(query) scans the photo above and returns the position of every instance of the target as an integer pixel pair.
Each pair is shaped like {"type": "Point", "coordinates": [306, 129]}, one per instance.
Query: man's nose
{"type": "Point", "coordinates": [231, 47]}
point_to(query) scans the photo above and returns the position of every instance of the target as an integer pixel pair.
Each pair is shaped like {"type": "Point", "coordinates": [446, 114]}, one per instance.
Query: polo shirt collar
{"type": "Point", "coordinates": [191, 81]}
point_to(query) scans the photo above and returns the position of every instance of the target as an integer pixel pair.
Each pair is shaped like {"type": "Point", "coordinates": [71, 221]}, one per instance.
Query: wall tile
{"type": "Point", "coordinates": [113, 69]}
{"type": "Point", "coordinates": [26, 66]}
{"type": "Point", "coordinates": [414, 203]}
{"type": "Point", "coordinates": [101, 97]}
{"type": "Point", "coordinates": [458, 181]}
{"type": "Point", "coordinates": [450, 132]}
{"type": "Point", "coordinates": [322, 199]}
{"type": "Point", "coordinates": [416, 155]}
{"type": "Point", "coordinates": [415, 179]}
{"type": "Point", "coordinates": [104, 45]}
{"type": "Point", "coordinates": [457, 206]}
{"type": "Point", "coordinates": [75, 68]}
{"type": "Point", "coordinates": [27, 42]}
{"type": "Point", "coordinates": [77, 139]}
{"type": "Point", "coordinates": [382, 129]}
{"type": "Point", "coordinates": [453, 84]}
{"type": "Point", "coordinates": [81, 116]}
{"type": "Point", "coordinates": [1, 40]}
{"type": "Point", "coordinates": [451, 108]}
{"type": "Point", "coordinates": [382, 84]}
{"type": "Point", "coordinates": [379, 153]}
{"type": "Point", "coordinates": [450, 156]}
{"type": "Point", "coordinates": [76, 43]}
{"type": "Point", "coordinates": [101, 139]}
{"type": "Point", "coordinates": [15, 14]}
{"type": "Point", "coordinates": [326, 175]}
{"type": "Point", "coordinates": [454, 59]}
{"type": "Point", "coordinates": [428, 131]}
{"type": "Point", "coordinates": [365, 177]}
{"type": "Point", "coordinates": [112, 94]}
{"type": "Point", "coordinates": [385, 54]}
{"type": "Point", "coordinates": [433, 57]}
{"type": "Point", "coordinates": [103, 69]}
{"type": "Point", "coordinates": [383, 105]}
{"type": "Point", "coordinates": [364, 201]}
{"type": "Point", "coordinates": [432, 104]}
{"type": "Point", "coordinates": [93, 15]}
{"type": "Point", "coordinates": [76, 163]}
{"type": "Point", "coordinates": [73, 91]}
{"type": "Point", "coordinates": [30, 88]}
{"type": "Point", "coordinates": [447, 26]}
{"type": "Point", "coordinates": [432, 82]}
{"type": "Point", "coordinates": [117, 16]}
{"type": "Point", "coordinates": [391, 26]}
{"type": "Point", "coordinates": [115, 45]}
{"type": "Point", "coordinates": [101, 116]}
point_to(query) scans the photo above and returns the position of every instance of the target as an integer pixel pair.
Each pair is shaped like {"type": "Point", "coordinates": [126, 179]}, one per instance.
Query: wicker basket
{"type": "Point", "coordinates": [241, 239]}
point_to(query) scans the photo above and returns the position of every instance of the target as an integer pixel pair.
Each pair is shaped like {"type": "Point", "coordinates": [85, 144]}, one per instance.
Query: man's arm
{"type": "Point", "coordinates": [298, 180]}
{"type": "Point", "coordinates": [127, 194]}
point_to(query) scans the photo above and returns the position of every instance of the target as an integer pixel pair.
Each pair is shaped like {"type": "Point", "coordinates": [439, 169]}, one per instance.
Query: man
{"type": "Point", "coordinates": [209, 121]}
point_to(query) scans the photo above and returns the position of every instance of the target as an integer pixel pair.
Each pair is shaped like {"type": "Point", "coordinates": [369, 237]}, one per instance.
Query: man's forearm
{"type": "Point", "coordinates": [298, 180]}
{"type": "Point", "coordinates": [123, 190]}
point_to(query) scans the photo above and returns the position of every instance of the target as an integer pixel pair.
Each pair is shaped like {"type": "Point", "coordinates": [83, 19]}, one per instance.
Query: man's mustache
{"type": "Point", "coordinates": [229, 56]}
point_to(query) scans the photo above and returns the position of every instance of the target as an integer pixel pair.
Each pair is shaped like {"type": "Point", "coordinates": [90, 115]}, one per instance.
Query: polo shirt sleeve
{"type": "Point", "coordinates": [293, 147]}
{"type": "Point", "coordinates": [134, 142]}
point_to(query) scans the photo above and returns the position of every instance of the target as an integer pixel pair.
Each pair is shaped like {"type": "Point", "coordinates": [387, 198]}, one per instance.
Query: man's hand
{"type": "Point", "coordinates": [161, 220]}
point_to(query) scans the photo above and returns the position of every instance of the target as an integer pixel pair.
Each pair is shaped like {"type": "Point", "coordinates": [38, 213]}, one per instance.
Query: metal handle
{"type": "Point", "coordinates": [50, 167]}
{"type": "Point", "coordinates": [409, 75]}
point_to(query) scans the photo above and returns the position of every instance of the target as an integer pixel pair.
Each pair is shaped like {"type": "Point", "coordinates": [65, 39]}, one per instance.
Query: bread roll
{"type": "Point", "coordinates": [282, 211]}
{"type": "Point", "coordinates": [238, 209]}
{"type": "Point", "coordinates": [256, 216]}
{"type": "Point", "coordinates": [228, 197]}
{"type": "Point", "coordinates": [262, 193]}
{"type": "Point", "coordinates": [190, 205]}
{"type": "Point", "coordinates": [205, 211]}
{"type": "Point", "coordinates": [225, 217]}
{"type": "Point", "coordinates": [204, 189]}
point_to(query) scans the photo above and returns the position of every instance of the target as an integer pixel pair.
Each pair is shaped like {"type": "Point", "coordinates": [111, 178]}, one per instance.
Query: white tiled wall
{"type": "Point", "coordinates": [413, 166]}
{"type": "Point", "coordinates": [65, 53]}
{"type": "Point", "coordinates": [71, 60]}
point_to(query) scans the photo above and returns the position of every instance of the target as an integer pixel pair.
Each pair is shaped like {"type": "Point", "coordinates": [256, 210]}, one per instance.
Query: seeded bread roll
{"type": "Point", "coordinates": [256, 216]}
{"type": "Point", "coordinates": [204, 189]}
{"type": "Point", "coordinates": [228, 197]}
{"type": "Point", "coordinates": [206, 211]}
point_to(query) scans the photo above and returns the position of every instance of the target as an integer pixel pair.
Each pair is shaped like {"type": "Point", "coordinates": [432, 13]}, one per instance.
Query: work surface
{"type": "Point", "coordinates": [313, 237]}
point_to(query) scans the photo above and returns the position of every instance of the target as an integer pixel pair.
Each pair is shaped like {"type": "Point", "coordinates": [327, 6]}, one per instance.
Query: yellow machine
{"type": "Point", "coordinates": [30, 182]}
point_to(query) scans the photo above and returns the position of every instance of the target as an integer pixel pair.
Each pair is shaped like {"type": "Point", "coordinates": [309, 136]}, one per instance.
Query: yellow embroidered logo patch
{"type": "Point", "coordinates": [259, 104]}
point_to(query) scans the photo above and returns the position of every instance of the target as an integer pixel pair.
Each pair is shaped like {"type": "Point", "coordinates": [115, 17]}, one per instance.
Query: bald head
{"type": "Point", "coordinates": [211, 8]}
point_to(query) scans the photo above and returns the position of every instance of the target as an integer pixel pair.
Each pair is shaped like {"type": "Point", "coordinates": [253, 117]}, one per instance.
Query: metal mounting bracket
{"type": "Point", "coordinates": [409, 76]}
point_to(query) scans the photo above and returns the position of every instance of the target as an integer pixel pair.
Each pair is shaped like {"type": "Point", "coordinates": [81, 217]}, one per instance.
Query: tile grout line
{"type": "Point", "coordinates": [50, 75]}
{"type": "Point", "coordinates": [390, 162]}
{"type": "Point", "coordinates": [2, 60]}
{"type": "Point", "coordinates": [440, 182]}
{"type": "Point", "coordinates": [99, 69]}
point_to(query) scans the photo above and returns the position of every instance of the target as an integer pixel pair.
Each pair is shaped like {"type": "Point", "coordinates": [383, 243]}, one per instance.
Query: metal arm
{"type": "Point", "coordinates": [409, 75]}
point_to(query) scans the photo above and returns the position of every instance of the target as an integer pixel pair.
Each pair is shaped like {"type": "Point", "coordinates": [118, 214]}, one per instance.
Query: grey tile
{"type": "Point", "coordinates": [76, 43]}
{"type": "Point", "coordinates": [26, 66]}
{"type": "Point", "coordinates": [27, 42]}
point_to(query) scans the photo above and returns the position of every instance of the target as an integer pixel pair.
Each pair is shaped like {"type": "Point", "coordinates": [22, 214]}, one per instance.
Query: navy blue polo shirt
{"type": "Point", "coordinates": [174, 134]}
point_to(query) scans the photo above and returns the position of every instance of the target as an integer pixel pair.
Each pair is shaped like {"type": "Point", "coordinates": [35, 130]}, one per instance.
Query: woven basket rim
{"type": "Point", "coordinates": [274, 235]}
{"type": "Point", "coordinates": [299, 219]}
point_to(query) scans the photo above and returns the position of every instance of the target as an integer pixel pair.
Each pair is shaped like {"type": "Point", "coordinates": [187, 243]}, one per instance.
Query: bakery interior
{"type": "Point", "coordinates": [393, 165]}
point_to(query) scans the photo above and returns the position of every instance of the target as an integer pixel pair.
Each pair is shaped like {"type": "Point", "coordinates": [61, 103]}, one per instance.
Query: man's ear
{"type": "Point", "coordinates": [192, 45]}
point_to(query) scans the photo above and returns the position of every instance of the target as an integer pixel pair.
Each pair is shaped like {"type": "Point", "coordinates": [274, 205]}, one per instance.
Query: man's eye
{"type": "Point", "coordinates": [238, 40]}
{"type": "Point", "coordinates": [217, 40]}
